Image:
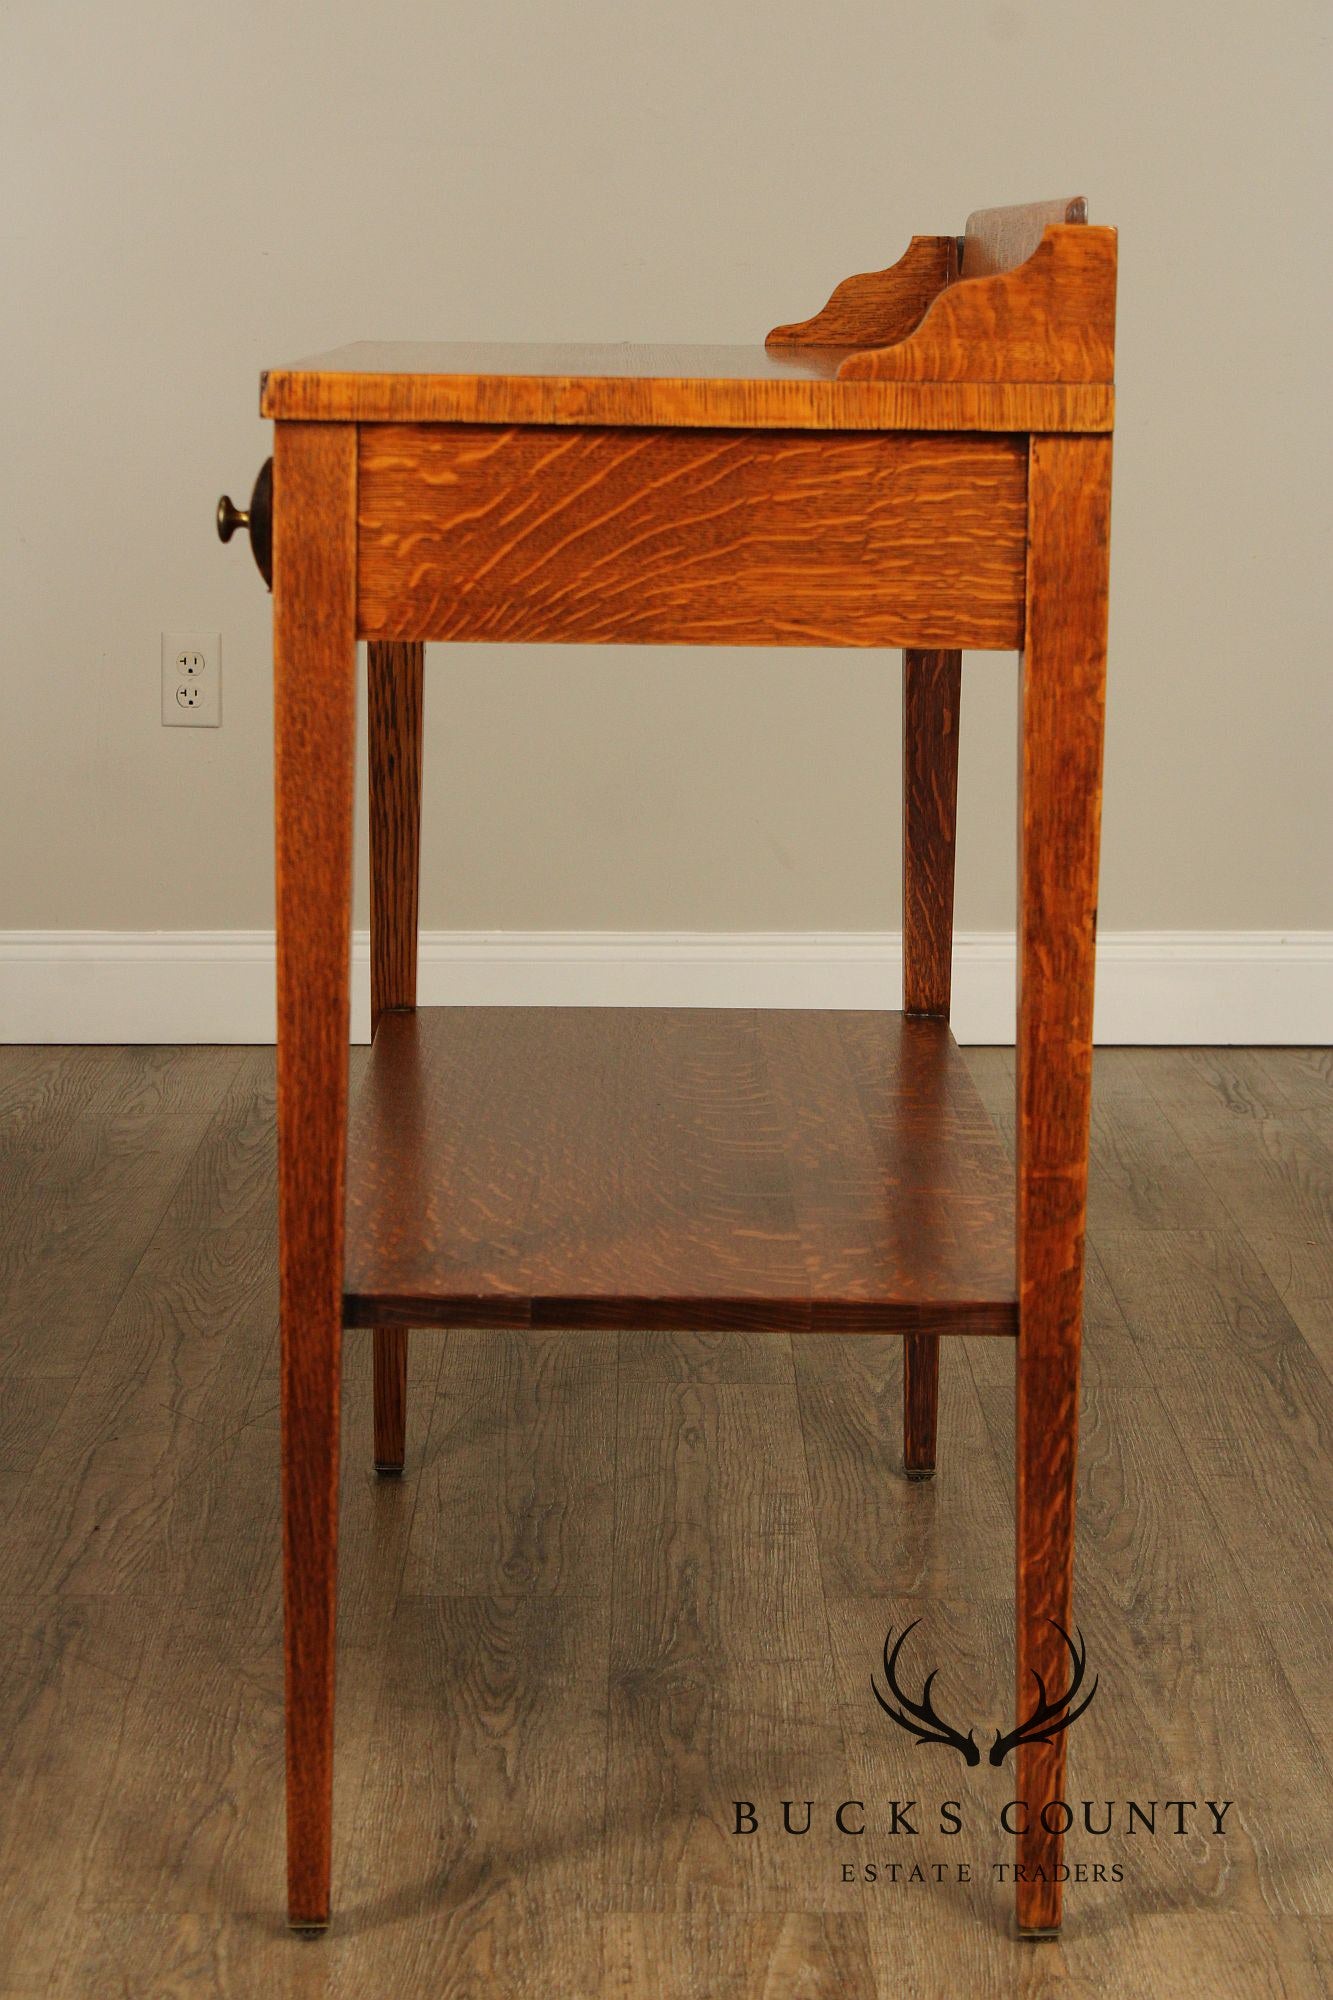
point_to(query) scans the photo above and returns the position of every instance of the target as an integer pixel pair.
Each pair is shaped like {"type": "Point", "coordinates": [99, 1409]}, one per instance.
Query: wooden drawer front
{"type": "Point", "coordinates": [738, 538]}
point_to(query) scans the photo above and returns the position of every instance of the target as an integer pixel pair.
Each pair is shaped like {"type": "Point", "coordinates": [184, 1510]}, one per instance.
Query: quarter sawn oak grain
{"type": "Point", "coordinates": [700, 537]}
{"type": "Point", "coordinates": [676, 1168]}
{"type": "Point", "coordinates": [314, 651]}
{"type": "Point", "coordinates": [932, 691]}
{"type": "Point", "coordinates": [877, 306]}
{"type": "Point", "coordinates": [739, 388]}
{"type": "Point", "coordinates": [395, 677]}
{"type": "Point", "coordinates": [1063, 700]}
{"type": "Point", "coordinates": [1051, 319]}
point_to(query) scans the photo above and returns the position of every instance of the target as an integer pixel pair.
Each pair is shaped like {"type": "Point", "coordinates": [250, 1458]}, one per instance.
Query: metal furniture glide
{"type": "Point", "coordinates": [925, 464]}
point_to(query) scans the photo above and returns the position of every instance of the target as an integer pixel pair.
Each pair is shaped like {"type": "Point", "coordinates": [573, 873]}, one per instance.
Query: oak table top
{"type": "Point", "coordinates": [780, 386]}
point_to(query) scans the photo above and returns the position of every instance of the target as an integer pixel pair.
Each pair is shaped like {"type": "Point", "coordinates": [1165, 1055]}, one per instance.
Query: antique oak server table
{"type": "Point", "coordinates": [926, 465]}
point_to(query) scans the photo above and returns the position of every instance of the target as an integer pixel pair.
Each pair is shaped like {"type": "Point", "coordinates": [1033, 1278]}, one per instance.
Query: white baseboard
{"type": "Point", "coordinates": [217, 986]}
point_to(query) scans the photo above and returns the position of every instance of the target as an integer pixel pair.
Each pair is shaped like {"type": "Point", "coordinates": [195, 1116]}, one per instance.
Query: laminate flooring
{"type": "Point", "coordinates": [631, 1578]}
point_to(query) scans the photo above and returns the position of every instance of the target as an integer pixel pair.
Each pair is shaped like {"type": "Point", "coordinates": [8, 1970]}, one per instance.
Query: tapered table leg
{"type": "Point", "coordinates": [395, 678]}
{"type": "Point", "coordinates": [1063, 695]}
{"type": "Point", "coordinates": [932, 688]}
{"type": "Point", "coordinates": [314, 527]}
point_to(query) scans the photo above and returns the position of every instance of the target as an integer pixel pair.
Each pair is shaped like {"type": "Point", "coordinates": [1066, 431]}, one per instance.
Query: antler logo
{"type": "Point", "coordinates": [1043, 1725]}
{"type": "Point", "coordinates": [920, 1720]}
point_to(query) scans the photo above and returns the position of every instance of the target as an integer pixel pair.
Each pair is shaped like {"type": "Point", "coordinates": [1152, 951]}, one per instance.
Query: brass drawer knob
{"type": "Point", "coordinates": [257, 518]}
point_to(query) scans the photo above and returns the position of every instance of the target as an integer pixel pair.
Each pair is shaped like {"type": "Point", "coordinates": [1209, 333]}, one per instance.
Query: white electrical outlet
{"type": "Point", "coordinates": [191, 680]}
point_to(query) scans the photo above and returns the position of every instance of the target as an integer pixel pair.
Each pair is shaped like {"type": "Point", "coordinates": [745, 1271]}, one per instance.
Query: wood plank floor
{"type": "Point", "coordinates": [632, 1577]}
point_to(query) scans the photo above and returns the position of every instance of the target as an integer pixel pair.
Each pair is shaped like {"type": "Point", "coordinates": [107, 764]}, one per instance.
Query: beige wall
{"type": "Point", "coordinates": [193, 192]}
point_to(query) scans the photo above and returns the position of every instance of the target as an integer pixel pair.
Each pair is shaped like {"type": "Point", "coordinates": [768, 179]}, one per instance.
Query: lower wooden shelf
{"type": "Point", "coordinates": [675, 1168]}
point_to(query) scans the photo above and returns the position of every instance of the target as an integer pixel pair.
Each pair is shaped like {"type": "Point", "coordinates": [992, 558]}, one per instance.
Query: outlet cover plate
{"type": "Point", "coordinates": [191, 680]}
